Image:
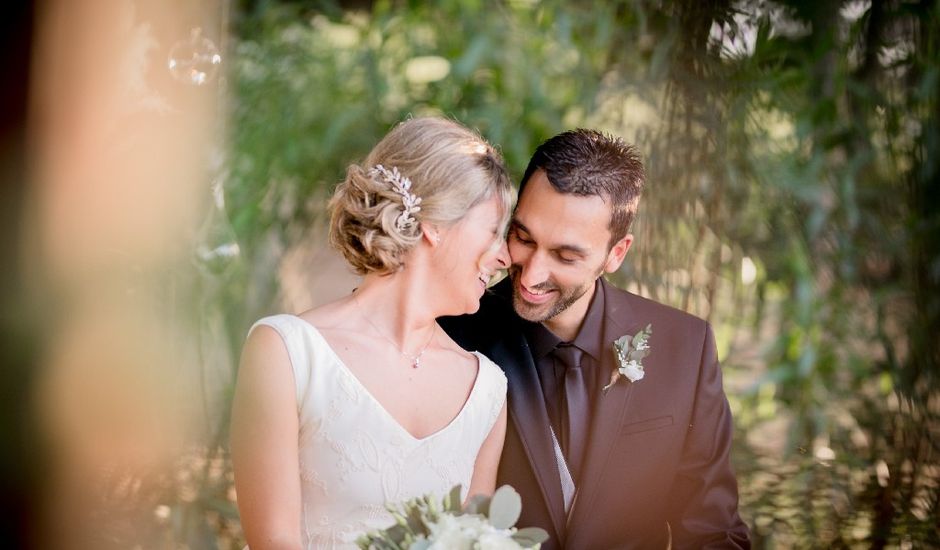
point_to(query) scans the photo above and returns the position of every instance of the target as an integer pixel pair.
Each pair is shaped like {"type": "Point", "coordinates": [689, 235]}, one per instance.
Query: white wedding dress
{"type": "Point", "coordinates": [355, 457]}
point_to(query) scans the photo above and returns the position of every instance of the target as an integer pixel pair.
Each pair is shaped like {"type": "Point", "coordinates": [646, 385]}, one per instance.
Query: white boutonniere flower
{"type": "Point", "coordinates": [630, 352]}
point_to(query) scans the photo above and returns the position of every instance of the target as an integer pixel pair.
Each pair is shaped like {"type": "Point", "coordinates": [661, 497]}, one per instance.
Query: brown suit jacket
{"type": "Point", "coordinates": [657, 465]}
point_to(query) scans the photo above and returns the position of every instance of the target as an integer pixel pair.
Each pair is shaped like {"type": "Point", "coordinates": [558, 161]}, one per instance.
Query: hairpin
{"type": "Point", "coordinates": [401, 185]}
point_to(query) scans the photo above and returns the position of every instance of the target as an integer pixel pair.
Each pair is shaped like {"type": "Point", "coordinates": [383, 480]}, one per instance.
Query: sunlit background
{"type": "Point", "coordinates": [171, 161]}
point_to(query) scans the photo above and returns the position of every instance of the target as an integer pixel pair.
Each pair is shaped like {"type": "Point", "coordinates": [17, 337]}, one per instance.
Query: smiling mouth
{"type": "Point", "coordinates": [535, 296]}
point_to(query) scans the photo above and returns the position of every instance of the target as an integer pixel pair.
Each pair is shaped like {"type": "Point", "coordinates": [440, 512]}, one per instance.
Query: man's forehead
{"type": "Point", "coordinates": [561, 232]}
{"type": "Point", "coordinates": [542, 204]}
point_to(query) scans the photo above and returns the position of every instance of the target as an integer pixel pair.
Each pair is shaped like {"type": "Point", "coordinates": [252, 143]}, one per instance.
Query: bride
{"type": "Point", "coordinates": [366, 401]}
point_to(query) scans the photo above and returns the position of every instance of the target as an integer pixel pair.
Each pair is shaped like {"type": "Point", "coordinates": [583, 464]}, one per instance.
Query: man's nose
{"type": "Point", "coordinates": [533, 270]}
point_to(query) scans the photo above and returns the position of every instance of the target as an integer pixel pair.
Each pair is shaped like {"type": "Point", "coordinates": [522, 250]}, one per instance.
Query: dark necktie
{"type": "Point", "coordinates": [577, 411]}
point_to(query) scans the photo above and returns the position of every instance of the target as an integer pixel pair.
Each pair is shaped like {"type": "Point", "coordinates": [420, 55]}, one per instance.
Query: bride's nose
{"type": "Point", "coordinates": [502, 255]}
{"type": "Point", "coordinates": [496, 258]}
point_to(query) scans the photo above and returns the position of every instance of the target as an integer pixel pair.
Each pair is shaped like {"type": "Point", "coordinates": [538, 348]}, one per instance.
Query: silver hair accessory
{"type": "Point", "coordinates": [401, 185]}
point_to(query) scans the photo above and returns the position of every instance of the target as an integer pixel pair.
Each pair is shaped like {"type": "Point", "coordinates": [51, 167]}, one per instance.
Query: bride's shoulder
{"type": "Point", "coordinates": [337, 324]}
{"type": "Point", "coordinates": [495, 370]}
{"type": "Point", "coordinates": [474, 359]}
{"type": "Point", "coordinates": [331, 315]}
{"type": "Point", "coordinates": [448, 344]}
{"type": "Point", "coordinates": [333, 320]}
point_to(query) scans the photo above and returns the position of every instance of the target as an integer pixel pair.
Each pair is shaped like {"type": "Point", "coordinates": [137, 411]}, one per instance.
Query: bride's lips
{"type": "Point", "coordinates": [484, 280]}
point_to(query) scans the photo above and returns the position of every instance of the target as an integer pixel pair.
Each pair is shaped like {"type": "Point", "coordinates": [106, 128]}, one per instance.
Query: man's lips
{"type": "Point", "coordinates": [535, 296]}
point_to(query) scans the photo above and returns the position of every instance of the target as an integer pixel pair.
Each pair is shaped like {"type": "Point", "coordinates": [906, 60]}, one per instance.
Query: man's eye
{"type": "Point", "coordinates": [520, 238]}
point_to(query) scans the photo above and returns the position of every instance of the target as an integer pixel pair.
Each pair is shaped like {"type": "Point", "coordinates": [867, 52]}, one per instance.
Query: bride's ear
{"type": "Point", "coordinates": [430, 234]}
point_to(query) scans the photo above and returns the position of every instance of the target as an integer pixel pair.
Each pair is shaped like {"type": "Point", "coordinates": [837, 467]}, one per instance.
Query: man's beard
{"type": "Point", "coordinates": [539, 313]}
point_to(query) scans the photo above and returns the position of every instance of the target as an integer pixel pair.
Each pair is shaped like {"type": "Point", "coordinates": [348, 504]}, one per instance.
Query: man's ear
{"type": "Point", "coordinates": [617, 253]}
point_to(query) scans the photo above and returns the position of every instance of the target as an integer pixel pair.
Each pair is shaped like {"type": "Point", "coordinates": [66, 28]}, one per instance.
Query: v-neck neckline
{"type": "Point", "coordinates": [384, 411]}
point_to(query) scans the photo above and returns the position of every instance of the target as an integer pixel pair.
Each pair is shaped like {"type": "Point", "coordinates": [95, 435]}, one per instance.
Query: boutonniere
{"type": "Point", "coordinates": [630, 352]}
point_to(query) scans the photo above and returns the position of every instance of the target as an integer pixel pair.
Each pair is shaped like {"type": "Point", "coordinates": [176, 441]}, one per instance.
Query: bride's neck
{"type": "Point", "coordinates": [398, 304]}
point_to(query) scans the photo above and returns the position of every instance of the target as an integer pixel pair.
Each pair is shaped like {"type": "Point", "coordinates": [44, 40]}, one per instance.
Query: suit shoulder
{"type": "Point", "coordinates": [645, 308]}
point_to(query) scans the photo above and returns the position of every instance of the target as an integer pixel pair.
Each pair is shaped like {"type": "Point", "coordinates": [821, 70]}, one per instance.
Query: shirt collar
{"type": "Point", "coordinates": [590, 336]}
{"type": "Point", "coordinates": [541, 340]}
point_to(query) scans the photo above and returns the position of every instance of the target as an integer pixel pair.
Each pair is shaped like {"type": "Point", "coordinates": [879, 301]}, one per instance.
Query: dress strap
{"type": "Point", "coordinates": [291, 330]}
{"type": "Point", "coordinates": [493, 384]}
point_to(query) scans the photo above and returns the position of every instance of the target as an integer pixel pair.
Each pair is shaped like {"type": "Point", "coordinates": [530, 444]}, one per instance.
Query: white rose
{"type": "Point", "coordinates": [447, 533]}
{"type": "Point", "coordinates": [632, 370]}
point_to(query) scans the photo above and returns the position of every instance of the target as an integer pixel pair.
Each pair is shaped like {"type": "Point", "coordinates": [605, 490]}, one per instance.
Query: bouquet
{"type": "Point", "coordinates": [484, 524]}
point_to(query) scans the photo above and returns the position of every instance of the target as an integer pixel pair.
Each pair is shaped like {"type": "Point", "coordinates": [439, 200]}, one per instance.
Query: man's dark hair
{"type": "Point", "coordinates": [588, 162]}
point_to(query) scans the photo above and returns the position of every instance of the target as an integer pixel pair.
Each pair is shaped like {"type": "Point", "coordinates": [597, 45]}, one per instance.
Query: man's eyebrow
{"type": "Point", "coordinates": [574, 249]}
{"type": "Point", "coordinates": [571, 248]}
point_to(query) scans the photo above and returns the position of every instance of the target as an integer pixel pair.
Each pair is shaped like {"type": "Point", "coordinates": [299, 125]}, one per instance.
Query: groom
{"type": "Point", "coordinates": [644, 462]}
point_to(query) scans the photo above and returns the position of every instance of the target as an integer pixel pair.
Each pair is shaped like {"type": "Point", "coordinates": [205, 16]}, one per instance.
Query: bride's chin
{"type": "Point", "coordinates": [467, 310]}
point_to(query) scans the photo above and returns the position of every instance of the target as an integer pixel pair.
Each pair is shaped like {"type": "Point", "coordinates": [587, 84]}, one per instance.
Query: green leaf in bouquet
{"type": "Point", "coordinates": [414, 522]}
{"type": "Point", "coordinates": [374, 541]}
{"type": "Point", "coordinates": [397, 533]}
{"type": "Point", "coordinates": [452, 500]}
{"type": "Point", "coordinates": [478, 504]}
{"type": "Point", "coordinates": [505, 507]}
{"type": "Point", "coordinates": [529, 537]}
{"type": "Point", "coordinates": [638, 355]}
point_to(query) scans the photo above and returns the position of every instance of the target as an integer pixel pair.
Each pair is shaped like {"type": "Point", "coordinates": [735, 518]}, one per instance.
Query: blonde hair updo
{"type": "Point", "coordinates": [451, 168]}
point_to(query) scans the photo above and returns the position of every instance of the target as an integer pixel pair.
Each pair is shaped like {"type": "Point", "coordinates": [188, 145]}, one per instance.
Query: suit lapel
{"type": "Point", "coordinates": [528, 414]}
{"type": "Point", "coordinates": [608, 411]}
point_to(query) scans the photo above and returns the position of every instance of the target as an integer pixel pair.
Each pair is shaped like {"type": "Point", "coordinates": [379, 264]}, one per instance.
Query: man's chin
{"type": "Point", "coordinates": [535, 313]}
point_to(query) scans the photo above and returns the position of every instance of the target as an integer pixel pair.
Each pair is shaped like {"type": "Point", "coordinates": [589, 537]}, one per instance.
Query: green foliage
{"type": "Point", "coordinates": [792, 152]}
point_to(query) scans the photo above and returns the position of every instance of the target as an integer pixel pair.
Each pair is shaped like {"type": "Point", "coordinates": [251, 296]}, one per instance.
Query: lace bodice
{"type": "Point", "coordinates": [355, 457]}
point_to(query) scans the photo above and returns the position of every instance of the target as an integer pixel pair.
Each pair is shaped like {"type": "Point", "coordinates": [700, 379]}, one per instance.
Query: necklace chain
{"type": "Point", "coordinates": [414, 358]}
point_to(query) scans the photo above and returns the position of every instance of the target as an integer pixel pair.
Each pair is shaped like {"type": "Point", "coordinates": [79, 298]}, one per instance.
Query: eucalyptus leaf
{"type": "Point", "coordinates": [643, 334]}
{"type": "Point", "coordinates": [528, 537]}
{"type": "Point", "coordinates": [505, 507]}
{"type": "Point", "coordinates": [478, 504]}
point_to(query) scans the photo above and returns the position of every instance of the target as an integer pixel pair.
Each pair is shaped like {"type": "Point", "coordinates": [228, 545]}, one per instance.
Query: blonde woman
{"type": "Point", "coordinates": [365, 401]}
